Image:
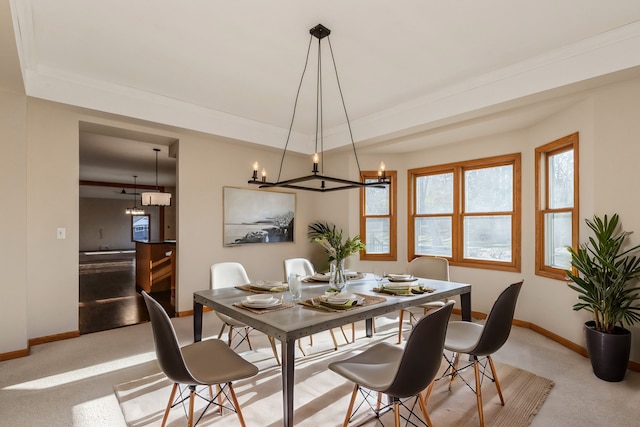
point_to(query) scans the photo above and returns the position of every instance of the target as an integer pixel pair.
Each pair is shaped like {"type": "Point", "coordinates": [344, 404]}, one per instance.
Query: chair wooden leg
{"type": "Point", "coordinates": [454, 371]}
{"type": "Point", "coordinates": [192, 393]}
{"type": "Point", "coordinates": [230, 335]}
{"type": "Point", "coordinates": [476, 368]}
{"type": "Point", "coordinates": [396, 412]}
{"type": "Point", "coordinates": [423, 405]}
{"type": "Point", "coordinates": [400, 326]}
{"type": "Point", "coordinates": [350, 408]}
{"type": "Point", "coordinates": [300, 347]}
{"type": "Point", "coordinates": [379, 401]}
{"type": "Point", "coordinates": [166, 412]}
{"type": "Point", "coordinates": [353, 332]}
{"type": "Point", "coordinates": [344, 334]}
{"type": "Point", "coordinates": [273, 348]}
{"type": "Point", "coordinates": [236, 404]}
{"type": "Point", "coordinates": [333, 337]}
{"type": "Point", "coordinates": [427, 393]}
{"type": "Point", "coordinates": [310, 340]}
{"type": "Point", "coordinates": [219, 393]}
{"type": "Point", "coordinates": [495, 378]}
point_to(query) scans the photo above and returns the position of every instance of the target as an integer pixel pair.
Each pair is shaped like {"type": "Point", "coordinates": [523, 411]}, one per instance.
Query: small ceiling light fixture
{"type": "Point", "coordinates": [134, 210]}
{"type": "Point", "coordinates": [156, 198]}
{"type": "Point", "coordinates": [327, 183]}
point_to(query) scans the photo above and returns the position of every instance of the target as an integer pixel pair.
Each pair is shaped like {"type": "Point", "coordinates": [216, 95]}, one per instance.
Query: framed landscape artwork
{"type": "Point", "coordinates": [257, 216]}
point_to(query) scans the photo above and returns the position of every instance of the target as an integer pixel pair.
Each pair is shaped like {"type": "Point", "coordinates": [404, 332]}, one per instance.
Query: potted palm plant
{"type": "Point", "coordinates": [604, 274]}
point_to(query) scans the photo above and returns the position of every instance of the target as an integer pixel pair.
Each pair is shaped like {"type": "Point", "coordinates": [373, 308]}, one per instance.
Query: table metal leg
{"type": "Point", "coordinates": [368, 324]}
{"type": "Point", "coordinates": [465, 302]}
{"type": "Point", "coordinates": [288, 368]}
{"type": "Point", "coordinates": [197, 321]}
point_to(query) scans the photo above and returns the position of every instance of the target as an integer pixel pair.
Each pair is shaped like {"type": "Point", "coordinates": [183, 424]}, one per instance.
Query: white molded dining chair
{"type": "Point", "coordinates": [227, 275]}
{"type": "Point", "coordinates": [428, 268]}
{"type": "Point", "coordinates": [301, 266]}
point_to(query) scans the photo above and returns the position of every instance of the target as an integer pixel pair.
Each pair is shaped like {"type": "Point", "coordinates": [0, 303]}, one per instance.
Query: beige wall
{"type": "Point", "coordinates": [13, 221]}
{"type": "Point", "coordinates": [41, 161]}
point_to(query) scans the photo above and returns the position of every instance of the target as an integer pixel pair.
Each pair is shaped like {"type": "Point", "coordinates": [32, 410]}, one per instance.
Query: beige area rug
{"type": "Point", "coordinates": [322, 397]}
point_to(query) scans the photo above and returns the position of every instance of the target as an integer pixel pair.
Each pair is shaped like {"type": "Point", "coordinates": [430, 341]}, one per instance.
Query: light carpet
{"type": "Point", "coordinates": [322, 397]}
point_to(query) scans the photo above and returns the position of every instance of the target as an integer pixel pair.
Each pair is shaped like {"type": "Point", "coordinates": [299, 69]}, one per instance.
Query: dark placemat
{"type": "Point", "coordinates": [368, 300]}
{"type": "Point", "coordinates": [282, 306]}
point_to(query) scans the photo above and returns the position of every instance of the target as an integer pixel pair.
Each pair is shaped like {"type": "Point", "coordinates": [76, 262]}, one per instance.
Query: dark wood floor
{"type": "Point", "coordinates": [108, 295]}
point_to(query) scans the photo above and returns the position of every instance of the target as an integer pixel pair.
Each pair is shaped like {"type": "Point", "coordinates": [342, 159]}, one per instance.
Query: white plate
{"type": "Point", "coordinates": [400, 276]}
{"type": "Point", "coordinates": [340, 299]}
{"type": "Point", "coordinates": [260, 304]}
{"type": "Point", "coordinates": [409, 279]}
{"type": "Point", "coordinates": [260, 298]}
{"type": "Point", "coordinates": [320, 277]}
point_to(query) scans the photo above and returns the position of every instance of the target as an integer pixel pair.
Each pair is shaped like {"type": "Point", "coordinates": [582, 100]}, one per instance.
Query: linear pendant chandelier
{"type": "Point", "coordinates": [156, 198]}
{"type": "Point", "coordinates": [318, 181]}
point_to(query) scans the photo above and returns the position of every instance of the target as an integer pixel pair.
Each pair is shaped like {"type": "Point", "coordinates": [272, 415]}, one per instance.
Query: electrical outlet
{"type": "Point", "coordinates": [61, 233]}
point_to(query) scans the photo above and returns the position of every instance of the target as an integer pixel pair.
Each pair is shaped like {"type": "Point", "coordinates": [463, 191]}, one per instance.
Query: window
{"type": "Point", "coordinates": [378, 218]}
{"type": "Point", "coordinates": [556, 206]}
{"type": "Point", "coordinates": [468, 212]}
{"type": "Point", "coordinates": [140, 227]}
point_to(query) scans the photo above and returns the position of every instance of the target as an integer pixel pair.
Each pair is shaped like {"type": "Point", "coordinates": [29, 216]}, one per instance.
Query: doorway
{"type": "Point", "coordinates": [116, 166]}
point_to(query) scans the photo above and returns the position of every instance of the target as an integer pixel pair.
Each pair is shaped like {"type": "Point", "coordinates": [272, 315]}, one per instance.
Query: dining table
{"type": "Point", "coordinates": [299, 320]}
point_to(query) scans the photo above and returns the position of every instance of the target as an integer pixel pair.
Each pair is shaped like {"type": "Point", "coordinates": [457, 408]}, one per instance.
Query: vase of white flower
{"type": "Point", "coordinates": [337, 277]}
{"type": "Point", "coordinates": [330, 238]}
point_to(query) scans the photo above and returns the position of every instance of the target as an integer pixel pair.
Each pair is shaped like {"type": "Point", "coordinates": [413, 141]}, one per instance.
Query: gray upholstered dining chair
{"type": "Point", "coordinates": [203, 363]}
{"type": "Point", "coordinates": [399, 373]}
{"type": "Point", "coordinates": [429, 268]}
{"type": "Point", "coordinates": [227, 275]}
{"type": "Point", "coordinates": [480, 342]}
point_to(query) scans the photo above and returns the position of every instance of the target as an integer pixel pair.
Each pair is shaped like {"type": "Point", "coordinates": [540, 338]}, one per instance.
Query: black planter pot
{"type": "Point", "coordinates": [609, 353]}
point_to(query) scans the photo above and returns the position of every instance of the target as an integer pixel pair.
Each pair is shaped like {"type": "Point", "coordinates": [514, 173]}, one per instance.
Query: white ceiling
{"type": "Point", "coordinates": [413, 73]}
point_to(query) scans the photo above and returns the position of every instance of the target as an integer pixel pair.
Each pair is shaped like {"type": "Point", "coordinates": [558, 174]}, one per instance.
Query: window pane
{"type": "Point", "coordinates": [561, 180]}
{"type": "Point", "coordinates": [434, 194]}
{"type": "Point", "coordinates": [377, 200]}
{"type": "Point", "coordinates": [378, 235]}
{"type": "Point", "coordinates": [557, 236]}
{"type": "Point", "coordinates": [488, 238]}
{"type": "Point", "coordinates": [140, 227]}
{"type": "Point", "coordinates": [489, 189]}
{"type": "Point", "coordinates": [433, 236]}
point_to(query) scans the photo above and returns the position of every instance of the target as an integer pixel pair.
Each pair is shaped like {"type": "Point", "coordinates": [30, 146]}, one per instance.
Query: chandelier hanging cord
{"type": "Point", "coordinates": [157, 150]}
{"type": "Point", "coordinates": [335, 68]}
{"type": "Point", "coordinates": [319, 110]}
{"type": "Point", "coordinates": [295, 107]}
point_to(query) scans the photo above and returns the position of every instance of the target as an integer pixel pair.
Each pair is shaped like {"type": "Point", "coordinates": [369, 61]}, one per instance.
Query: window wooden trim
{"type": "Point", "coordinates": [542, 155]}
{"type": "Point", "coordinates": [393, 217]}
{"type": "Point", "coordinates": [458, 215]}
